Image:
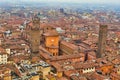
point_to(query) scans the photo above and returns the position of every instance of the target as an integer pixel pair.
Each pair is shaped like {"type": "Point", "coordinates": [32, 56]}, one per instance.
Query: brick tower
{"type": "Point", "coordinates": [35, 35]}
{"type": "Point", "coordinates": [102, 40]}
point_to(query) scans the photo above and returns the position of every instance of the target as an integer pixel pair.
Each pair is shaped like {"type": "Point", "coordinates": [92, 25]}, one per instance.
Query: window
{"type": "Point", "coordinates": [54, 54]}
{"type": "Point", "coordinates": [52, 44]}
{"type": "Point", "coordinates": [36, 40]}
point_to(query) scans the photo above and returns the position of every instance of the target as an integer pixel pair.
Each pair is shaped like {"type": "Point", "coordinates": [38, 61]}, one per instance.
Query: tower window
{"type": "Point", "coordinates": [36, 41]}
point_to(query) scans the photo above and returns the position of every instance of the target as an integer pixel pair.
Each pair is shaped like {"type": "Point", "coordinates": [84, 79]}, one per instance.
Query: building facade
{"type": "Point", "coordinates": [52, 42]}
{"type": "Point", "coordinates": [3, 58]}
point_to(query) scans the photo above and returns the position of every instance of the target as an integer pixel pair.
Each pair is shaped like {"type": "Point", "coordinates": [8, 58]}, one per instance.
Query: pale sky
{"type": "Point", "coordinates": [92, 1]}
{"type": "Point", "coordinates": [71, 1]}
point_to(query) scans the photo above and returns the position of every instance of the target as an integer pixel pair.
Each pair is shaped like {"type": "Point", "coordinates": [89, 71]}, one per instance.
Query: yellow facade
{"type": "Point", "coordinates": [36, 77]}
{"type": "Point", "coordinates": [59, 74]}
{"type": "Point", "coordinates": [50, 77]}
{"type": "Point", "coordinates": [52, 41]}
{"type": "Point", "coordinates": [6, 74]}
{"type": "Point", "coordinates": [53, 78]}
{"type": "Point", "coordinates": [45, 71]}
{"type": "Point", "coordinates": [52, 44]}
{"type": "Point", "coordinates": [7, 77]}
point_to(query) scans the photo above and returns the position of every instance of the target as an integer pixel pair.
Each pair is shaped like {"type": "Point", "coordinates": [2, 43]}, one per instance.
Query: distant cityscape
{"type": "Point", "coordinates": [59, 41]}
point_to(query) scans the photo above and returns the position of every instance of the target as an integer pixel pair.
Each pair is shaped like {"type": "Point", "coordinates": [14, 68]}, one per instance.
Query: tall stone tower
{"type": "Point", "coordinates": [35, 34]}
{"type": "Point", "coordinates": [102, 40]}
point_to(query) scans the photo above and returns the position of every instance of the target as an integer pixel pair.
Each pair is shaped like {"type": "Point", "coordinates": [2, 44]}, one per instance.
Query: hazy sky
{"type": "Point", "coordinates": [92, 1]}
{"type": "Point", "coordinates": [78, 1]}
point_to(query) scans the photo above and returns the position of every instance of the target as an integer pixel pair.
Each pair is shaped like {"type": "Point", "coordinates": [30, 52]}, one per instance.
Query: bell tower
{"type": "Point", "coordinates": [102, 40]}
{"type": "Point", "coordinates": [35, 34]}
